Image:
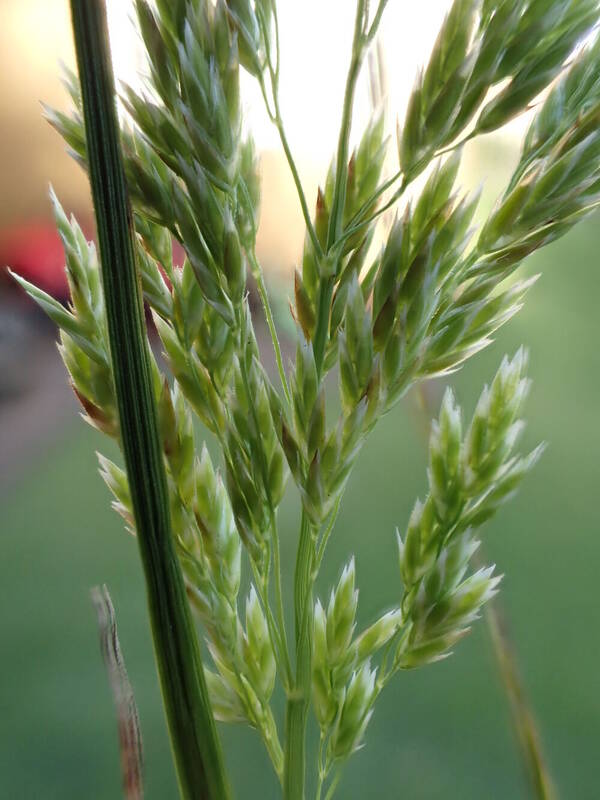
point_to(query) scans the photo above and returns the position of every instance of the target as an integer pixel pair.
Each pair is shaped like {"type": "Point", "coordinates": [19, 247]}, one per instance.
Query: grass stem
{"type": "Point", "coordinates": [191, 724]}
{"type": "Point", "coordinates": [524, 723]}
{"type": "Point", "coordinates": [299, 699]}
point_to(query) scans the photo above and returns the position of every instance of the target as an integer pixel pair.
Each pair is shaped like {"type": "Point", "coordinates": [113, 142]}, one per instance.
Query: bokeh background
{"type": "Point", "coordinates": [442, 732]}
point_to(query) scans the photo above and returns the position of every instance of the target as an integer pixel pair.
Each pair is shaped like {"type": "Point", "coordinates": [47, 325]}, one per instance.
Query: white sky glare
{"type": "Point", "coordinates": [316, 41]}
{"type": "Point", "coordinates": [316, 38]}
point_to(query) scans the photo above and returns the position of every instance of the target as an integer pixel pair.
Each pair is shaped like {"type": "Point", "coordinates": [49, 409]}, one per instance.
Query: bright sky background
{"type": "Point", "coordinates": [316, 38]}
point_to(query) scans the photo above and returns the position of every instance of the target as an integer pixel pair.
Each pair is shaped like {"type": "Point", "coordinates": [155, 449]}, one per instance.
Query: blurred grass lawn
{"type": "Point", "coordinates": [440, 733]}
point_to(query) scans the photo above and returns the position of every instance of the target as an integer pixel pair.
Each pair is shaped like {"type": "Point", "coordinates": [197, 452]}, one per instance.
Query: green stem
{"type": "Point", "coordinates": [278, 636]}
{"type": "Point", "coordinates": [523, 720]}
{"type": "Point", "coordinates": [334, 785]}
{"type": "Point", "coordinates": [377, 19]}
{"type": "Point", "coordinates": [296, 176]}
{"type": "Point", "coordinates": [368, 205]}
{"type": "Point", "coordinates": [276, 118]}
{"type": "Point", "coordinates": [321, 765]}
{"type": "Point", "coordinates": [299, 699]}
{"type": "Point", "coordinates": [257, 273]}
{"type": "Point", "coordinates": [323, 316]}
{"type": "Point", "coordinates": [192, 729]}
{"type": "Point", "coordinates": [359, 221]}
{"type": "Point", "coordinates": [336, 219]}
{"type": "Point", "coordinates": [261, 581]}
{"type": "Point", "coordinates": [327, 533]}
{"type": "Point", "coordinates": [355, 228]}
{"type": "Point", "coordinates": [279, 601]}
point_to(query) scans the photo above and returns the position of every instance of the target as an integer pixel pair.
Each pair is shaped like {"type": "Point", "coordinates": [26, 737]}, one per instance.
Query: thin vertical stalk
{"type": "Point", "coordinates": [299, 698]}
{"type": "Point", "coordinates": [336, 220]}
{"type": "Point", "coordinates": [130, 738]}
{"type": "Point", "coordinates": [341, 176]}
{"type": "Point", "coordinates": [257, 274]}
{"type": "Point", "coordinates": [192, 729]}
{"type": "Point", "coordinates": [526, 730]}
{"type": "Point", "coordinates": [278, 119]}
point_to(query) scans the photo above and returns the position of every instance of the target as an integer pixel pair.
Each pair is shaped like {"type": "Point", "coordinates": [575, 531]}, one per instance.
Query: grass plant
{"type": "Point", "coordinates": [381, 319]}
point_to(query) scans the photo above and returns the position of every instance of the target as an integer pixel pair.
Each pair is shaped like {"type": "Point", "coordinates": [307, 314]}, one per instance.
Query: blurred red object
{"type": "Point", "coordinates": [35, 252]}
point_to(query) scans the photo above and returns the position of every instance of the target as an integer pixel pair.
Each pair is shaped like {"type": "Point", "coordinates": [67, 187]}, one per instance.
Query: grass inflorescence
{"type": "Point", "coordinates": [382, 320]}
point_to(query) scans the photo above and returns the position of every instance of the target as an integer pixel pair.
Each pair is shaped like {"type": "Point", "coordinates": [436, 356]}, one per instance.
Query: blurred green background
{"type": "Point", "coordinates": [442, 732]}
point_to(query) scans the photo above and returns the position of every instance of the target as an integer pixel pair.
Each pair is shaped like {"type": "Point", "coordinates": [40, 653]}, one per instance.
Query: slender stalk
{"type": "Point", "coordinates": [341, 177]}
{"type": "Point", "coordinates": [261, 581]}
{"type": "Point", "coordinates": [321, 765]}
{"type": "Point", "coordinates": [277, 119]}
{"type": "Point", "coordinates": [130, 738]}
{"type": "Point", "coordinates": [257, 273]}
{"type": "Point", "coordinates": [359, 221]}
{"type": "Point", "coordinates": [322, 329]}
{"type": "Point", "coordinates": [296, 176]}
{"type": "Point", "coordinates": [192, 729]}
{"type": "Point", "coordinates": [360, 214]}
{"type": "Point", "coordinates": [523, 720]}
{"type": "Point", "coordinates": [326, 534]}
{"type": "Point", "coordinates": [352, 229]}
{"type": "Point", "coordinates": [279, 608]}
{"type": "Point", "coordinates": [278, 636]}
{"type": "Point", "coordinates": [298, 702]}
{"type": "Point", "coordinates": [336, 220]}
{"type": "Point", "coordinates": [377, 19]}
{"type": "Point", "coordinates": [334, 785]}
{"type": "Point", "coordinates": [299, 699]}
